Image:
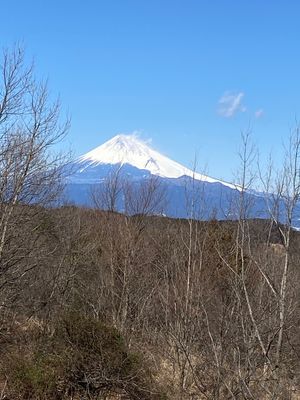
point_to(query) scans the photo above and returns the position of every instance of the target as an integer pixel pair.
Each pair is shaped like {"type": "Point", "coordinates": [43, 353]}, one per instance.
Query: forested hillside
{"type": "Point", "coordinates": [99, 305]}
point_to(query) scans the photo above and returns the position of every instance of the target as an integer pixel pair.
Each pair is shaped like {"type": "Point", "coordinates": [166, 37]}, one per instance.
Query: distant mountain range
{"type": "Point", "coordinates": [187, 193]}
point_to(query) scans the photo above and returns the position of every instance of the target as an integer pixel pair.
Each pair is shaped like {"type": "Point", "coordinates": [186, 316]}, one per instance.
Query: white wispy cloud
{"type": "Point", "coordinates": [259, 113]}
{"type": "Point", "coordinates": [231, 103]}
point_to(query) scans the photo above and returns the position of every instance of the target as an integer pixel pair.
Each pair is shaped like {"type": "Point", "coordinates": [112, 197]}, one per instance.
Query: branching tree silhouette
{"type": "Point", "coordinates": [30, 171]}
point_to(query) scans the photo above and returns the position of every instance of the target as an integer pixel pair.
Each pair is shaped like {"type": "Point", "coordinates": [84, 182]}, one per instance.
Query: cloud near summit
{"type": "Point", "coordinates": [231, 103]}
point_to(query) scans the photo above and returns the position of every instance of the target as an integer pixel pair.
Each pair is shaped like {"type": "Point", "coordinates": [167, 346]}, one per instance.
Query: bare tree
{"type": "Point", "coordinates": [106, 195]}
{"type": "Point", "coordinates": [30, 171]}
{"type": "Point", "coordinates": [282, 199]}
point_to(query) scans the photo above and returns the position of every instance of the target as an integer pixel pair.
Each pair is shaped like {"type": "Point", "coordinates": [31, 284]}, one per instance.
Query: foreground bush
{"type": "Point", "coordinates": [80, 358]}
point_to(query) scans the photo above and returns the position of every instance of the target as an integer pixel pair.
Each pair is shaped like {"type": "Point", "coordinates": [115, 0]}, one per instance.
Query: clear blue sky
{"type": "Point", "coordinates": [189, 74]}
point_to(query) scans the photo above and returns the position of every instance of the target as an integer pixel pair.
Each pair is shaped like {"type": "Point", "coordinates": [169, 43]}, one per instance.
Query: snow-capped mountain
{"type": "Point", "coordinates": [138, 162]}
{"type": "Point", "coordinates": [130, 150]}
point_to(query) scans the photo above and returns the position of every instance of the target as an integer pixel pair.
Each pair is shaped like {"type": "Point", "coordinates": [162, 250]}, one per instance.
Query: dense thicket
{"type": "Point", "coordinates": [147, 307]}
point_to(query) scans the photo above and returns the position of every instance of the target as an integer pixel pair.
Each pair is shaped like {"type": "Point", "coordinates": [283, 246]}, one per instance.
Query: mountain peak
{"type": "Point", "coordinates": [121, 149]}
{"type": "Point", "coordinates": [125, 144]}
{"type": "Point", "coordinates": [123, 140]}
{"type": "Point", "coordinates": [129, 149]}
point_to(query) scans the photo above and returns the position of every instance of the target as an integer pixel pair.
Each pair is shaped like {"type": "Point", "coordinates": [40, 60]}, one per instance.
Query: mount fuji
{"type": "Point", "coordinates": [128, 149]}
{"type": "Point", "coordinates": [186, 192]}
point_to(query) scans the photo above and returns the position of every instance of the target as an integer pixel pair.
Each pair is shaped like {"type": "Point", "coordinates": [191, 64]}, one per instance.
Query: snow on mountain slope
{"type": "Point", "coordinates": [128, 149]}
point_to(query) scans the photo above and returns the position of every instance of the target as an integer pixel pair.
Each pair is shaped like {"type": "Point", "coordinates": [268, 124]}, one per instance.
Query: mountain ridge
{"type": "Point", "coordinates": [129, 149]}
{"type": "Point", "coordinates": [138, 163]}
